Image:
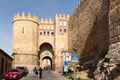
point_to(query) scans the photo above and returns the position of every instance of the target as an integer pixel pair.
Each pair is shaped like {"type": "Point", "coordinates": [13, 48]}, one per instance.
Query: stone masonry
{"type": "Point", "coordinates": [89, 33]}
{"type": "Point", "coordinates": [35, 38]}
{"type": "Point", "coordinates": [96, 28]}
{"type": "Point", "coordinates": [114, 28]}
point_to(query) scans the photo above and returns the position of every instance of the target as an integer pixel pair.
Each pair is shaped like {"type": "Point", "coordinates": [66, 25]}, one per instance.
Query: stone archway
{"type": "Point", "coordinates": [46, 53]}
{"type": "Point", "coordinates": [47, 62]}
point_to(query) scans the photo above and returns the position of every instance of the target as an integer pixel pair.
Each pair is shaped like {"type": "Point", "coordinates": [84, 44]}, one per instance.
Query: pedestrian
{"type": "Point", "coordinates": [49, 68]}
{"type": "Point", "coordinates": [35, 71]}
{"type": "Point", "coordinates": [40, 72]}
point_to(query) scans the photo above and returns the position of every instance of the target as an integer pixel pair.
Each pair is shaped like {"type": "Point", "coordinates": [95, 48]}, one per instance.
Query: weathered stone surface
{"type": "Point", "coordinates": [89, 30]}
{"type": "Point", "coordinates": [95, 33]}
{"type": "Point", "coordinates": [114, 27]}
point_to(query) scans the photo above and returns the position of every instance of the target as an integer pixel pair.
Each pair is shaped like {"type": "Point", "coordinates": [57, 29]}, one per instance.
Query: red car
{"type": "Point", "coordinates": [12, 75]}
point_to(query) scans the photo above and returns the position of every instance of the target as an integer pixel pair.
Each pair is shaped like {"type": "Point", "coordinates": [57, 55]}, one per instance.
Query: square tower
{"type": "Point", "coordinates": [61, 39]}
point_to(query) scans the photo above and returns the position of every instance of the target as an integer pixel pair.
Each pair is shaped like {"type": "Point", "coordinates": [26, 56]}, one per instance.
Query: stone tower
{"type": "Point", "coordinates": [40, 42]}
{"type": "Point", "coordinates": [25, 40]}
{"type": "Point", "coordinates": [61, 38]}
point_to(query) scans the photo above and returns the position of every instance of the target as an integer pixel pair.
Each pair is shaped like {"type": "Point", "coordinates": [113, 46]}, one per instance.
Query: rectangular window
{"type": "Point", "coordinates": [23, 30]}
{"type": "Point", "coordinates": [52, 33]}
{"type": "Point", "coordinates": [65, 30]}
{"type": "Point", "coordinates": [40, 33]}
{"type": "Point", "coordinates": [44, 32]}
{"type": "Point", "coordinates": [48, 33]}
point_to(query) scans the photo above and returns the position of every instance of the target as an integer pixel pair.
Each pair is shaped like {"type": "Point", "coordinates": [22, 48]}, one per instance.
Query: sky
{"type": "Point", "coordinates": [40, 8]}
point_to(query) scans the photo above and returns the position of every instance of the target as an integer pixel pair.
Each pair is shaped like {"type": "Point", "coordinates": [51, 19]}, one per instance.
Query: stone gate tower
{"type": "Point", "coordinates": [39, 42]}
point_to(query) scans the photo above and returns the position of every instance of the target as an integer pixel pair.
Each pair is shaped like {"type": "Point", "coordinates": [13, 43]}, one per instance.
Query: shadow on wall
{"type": "Point", "coordinates": [97, 43]}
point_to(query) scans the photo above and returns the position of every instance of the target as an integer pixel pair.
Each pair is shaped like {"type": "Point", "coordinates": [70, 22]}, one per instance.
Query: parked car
{"type": "Point", "coordinates": [23, 70]}
{"type": "Point", "coordinates": [13, 74]}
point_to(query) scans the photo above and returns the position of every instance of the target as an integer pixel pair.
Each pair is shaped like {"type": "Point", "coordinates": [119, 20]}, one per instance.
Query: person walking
{"type": "Point", "coordinates": [40, 72]}
{"type": "Point", "coordinates": [35, 71]}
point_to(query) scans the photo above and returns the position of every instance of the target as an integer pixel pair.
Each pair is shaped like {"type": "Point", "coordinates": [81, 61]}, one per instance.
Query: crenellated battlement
{"type": "Point", "coordinates": [29, 17]}
{"type": "Point", "coordinates": [62, 16]}
{"type": "Point", "coordinates": [46, 20]}
{"type": "Point", "coordinates": [50, 21]}
{"type": "Point", "coordinates": [23, 16]}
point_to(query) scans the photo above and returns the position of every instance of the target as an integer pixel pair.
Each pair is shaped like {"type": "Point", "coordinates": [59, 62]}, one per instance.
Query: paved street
{"type": "Point", "coordinates": [47, 75]}
{"type": "Point", "coordinates": [50, 75]}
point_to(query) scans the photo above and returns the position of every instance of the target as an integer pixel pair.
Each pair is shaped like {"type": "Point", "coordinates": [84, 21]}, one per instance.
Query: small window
{"type": "Point", "coordinates": [60, 30]}
{"type": "Point", "coordinates": [48, 33]}
{"type": "Point", "coordinates": [23, 30]}
{"type": "Point", "coordinates": [44, 32]}
{"type": "Point", "coordinates": [64, 30]}
{"type": "Point", "coordinates": [60, 23]}
{"type": "Point", "coordinates": [65, 23]}
{"type": "Point", "coordinates": [52, 33]}
{"type": "Point", "coordinates": [40, 33]}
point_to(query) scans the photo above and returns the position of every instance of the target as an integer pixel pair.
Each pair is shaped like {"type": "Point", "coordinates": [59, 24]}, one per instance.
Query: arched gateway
{"type": "Point", "coordinates": [39, 42]}
{"type": "Point", "coordinates": [46, 56]}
